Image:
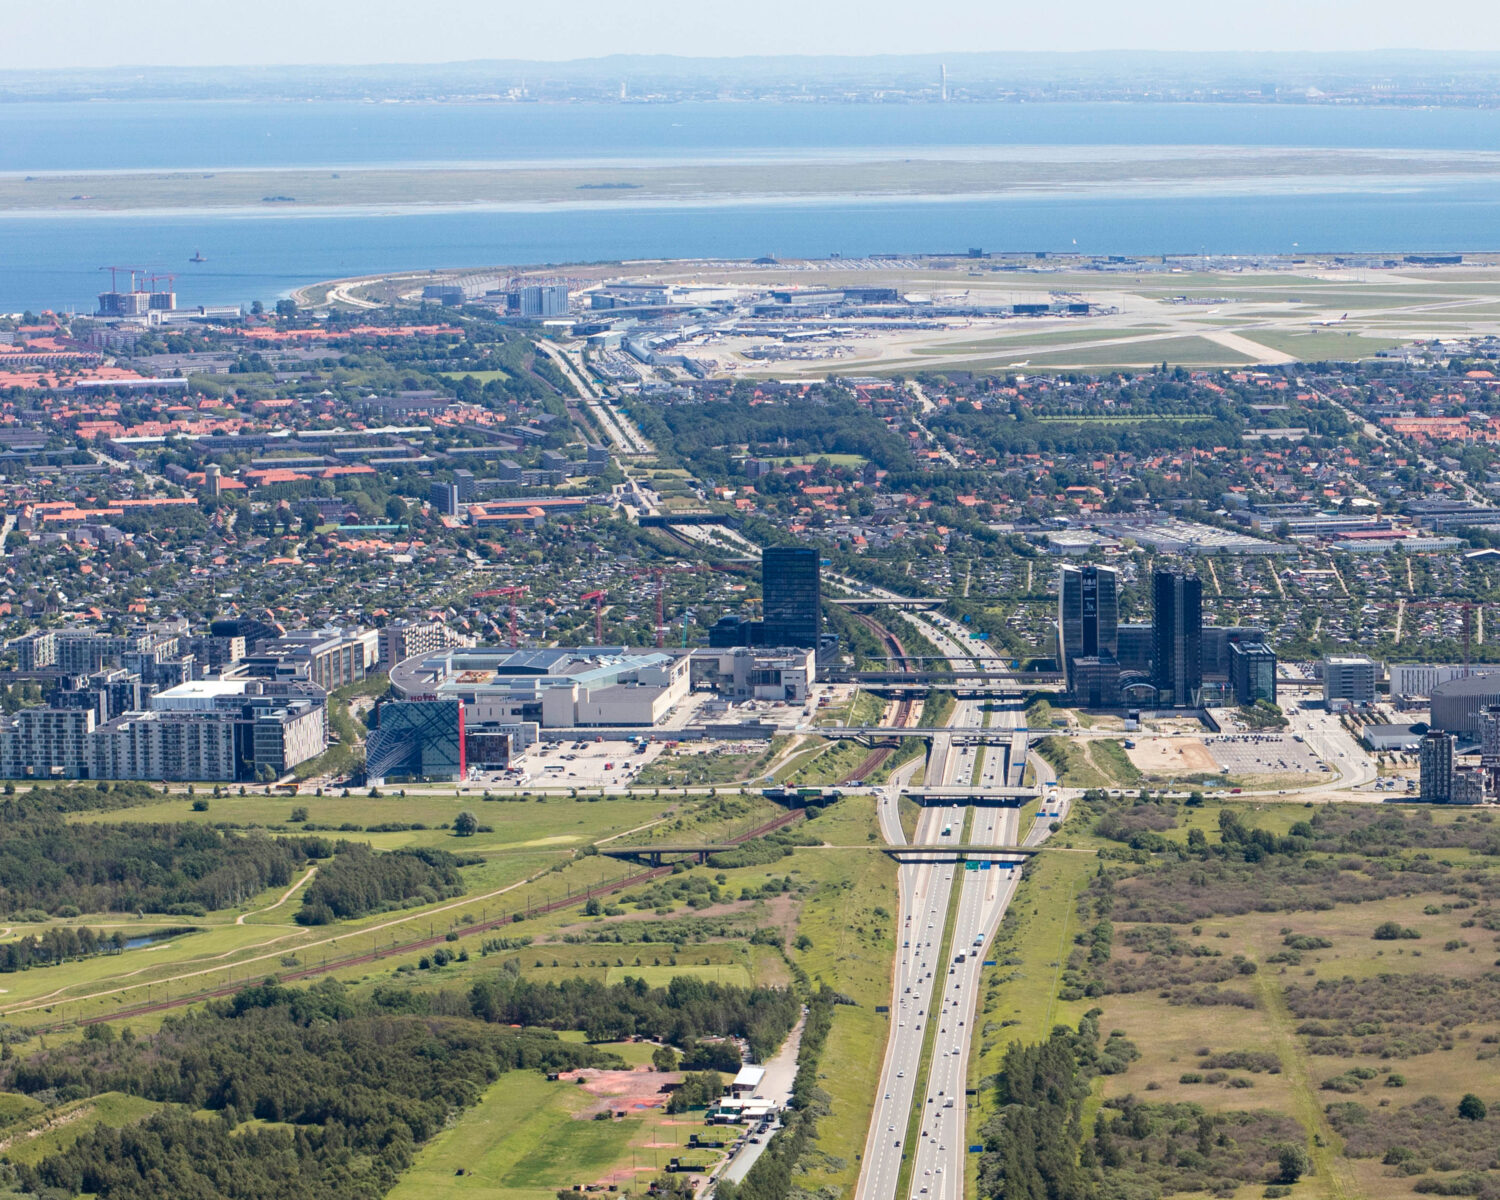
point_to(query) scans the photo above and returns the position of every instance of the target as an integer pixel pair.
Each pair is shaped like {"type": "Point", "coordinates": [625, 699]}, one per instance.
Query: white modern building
{"type": "Point", "coordinates": [1349, 679]}
{"type": "Point", "coordinates": [559, 688]}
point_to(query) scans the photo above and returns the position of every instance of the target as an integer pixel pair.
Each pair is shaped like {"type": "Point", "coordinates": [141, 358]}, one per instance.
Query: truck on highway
{"type": "Point", "coordinates": [960, 956]}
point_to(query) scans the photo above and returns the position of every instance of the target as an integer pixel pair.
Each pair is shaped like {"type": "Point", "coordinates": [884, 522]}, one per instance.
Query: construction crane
{"type": "Point", "coordinates": [661, 575]}
{"type": "Point", "coordinates": [113, 271]}
{"type": "Point", "coordinates": [598, 598]}
{"type": "Point", "coordinates": [1468, 610]}
{"type": "Point", "coordinates": [509, 593]}
{"type": "Point", "coordinates": [154, 279]}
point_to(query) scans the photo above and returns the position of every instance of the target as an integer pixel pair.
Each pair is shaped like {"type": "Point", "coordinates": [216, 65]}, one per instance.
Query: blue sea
{"type": "Point", "coordinates": [53, 262]}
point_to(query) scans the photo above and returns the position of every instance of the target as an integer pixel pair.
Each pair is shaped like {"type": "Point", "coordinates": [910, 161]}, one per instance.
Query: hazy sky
{"type": "Point", "coordinates": [89, 33]}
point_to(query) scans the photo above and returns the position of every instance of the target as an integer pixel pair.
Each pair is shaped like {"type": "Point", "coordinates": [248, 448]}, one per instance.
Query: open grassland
{"type": "Point", "coordinates": [524, 1139]}
{"type": "Point", "coordinates": [849, 922]}
{"type": "Point", "coordinates": [510, 882]}
{"type": "Point", "coordinates": [1269, 989]}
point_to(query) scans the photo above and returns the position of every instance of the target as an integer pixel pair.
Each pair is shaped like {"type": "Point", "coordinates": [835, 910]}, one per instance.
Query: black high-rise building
{"type": "Point", "coordinates": [1176, 638]}
{"type": "Point", "coordinates": [792, 597]}
{"type": "Point", "coordinates": [1088, 616]}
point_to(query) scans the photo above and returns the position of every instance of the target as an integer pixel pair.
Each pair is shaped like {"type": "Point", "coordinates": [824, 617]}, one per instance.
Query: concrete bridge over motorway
{"type": "Point", "coordinates": [1015, 678]}
{"type": "Point", "coordinates": [1005, 797]}
{"type": "Point", "coordinates": [917, 852]}
{"type": "Point", "coordinates": [962, 735]}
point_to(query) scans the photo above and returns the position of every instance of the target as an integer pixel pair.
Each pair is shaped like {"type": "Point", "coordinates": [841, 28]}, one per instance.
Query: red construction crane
{"type": "Point", "coordinates": [598, 598]}
{"type": "Point", "coordinates": [1467, 606]}
{"type": "Point", "coordinates": [509, 593]}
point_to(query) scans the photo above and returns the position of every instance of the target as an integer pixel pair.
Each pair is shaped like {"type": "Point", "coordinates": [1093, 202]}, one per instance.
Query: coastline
{"type": "Point", "coordinates": [1229, 171]}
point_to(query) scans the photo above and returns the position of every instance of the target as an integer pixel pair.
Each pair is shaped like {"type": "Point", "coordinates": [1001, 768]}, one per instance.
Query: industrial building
{"type": "Point", "coordinates": [1416, 681]}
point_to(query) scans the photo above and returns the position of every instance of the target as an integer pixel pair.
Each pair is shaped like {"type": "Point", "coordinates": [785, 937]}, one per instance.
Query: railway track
{"type": "Point", "coordinates": [878, 757]}
{"type": "Point", "coordinates": [431, 942]}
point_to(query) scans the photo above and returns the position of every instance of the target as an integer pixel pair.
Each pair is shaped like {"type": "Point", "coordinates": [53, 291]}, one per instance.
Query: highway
{"type": "Point", "coordinates": [929, 988]}
{"type": "Point", "coordinates": [619, 430]}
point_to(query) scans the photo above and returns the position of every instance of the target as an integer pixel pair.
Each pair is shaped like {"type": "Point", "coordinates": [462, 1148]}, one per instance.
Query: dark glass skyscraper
{"type": "Point", "coordinates": [792, 597]}
{"type": "Point", "coordinates": [1088, 615]}
{"type": "Point", "coordinates": [1176, 638]}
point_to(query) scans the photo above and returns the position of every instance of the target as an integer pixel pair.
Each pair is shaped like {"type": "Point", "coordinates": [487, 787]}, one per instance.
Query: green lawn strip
{"type": "Point", "coordinates": [910, 812]}
{"type": "Point", "coordinates": [929, 1033]}
{"type": "Point", "coordinates": [1022, 988]}
{"type": "Point", "coordinates": [852, 950]}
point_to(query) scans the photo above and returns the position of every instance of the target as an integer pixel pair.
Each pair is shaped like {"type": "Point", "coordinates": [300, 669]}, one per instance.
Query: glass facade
{"type": "Point", "coordinates": [1177, 638]}
{"type": "Point", "coordinates": [1252, 671]}
{"type": "Point", "coordinates": [417, 739]}
{"type": "Point", "coordinates": [792, 597]}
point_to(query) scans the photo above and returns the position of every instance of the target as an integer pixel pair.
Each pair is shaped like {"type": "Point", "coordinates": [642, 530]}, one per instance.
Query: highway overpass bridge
{"type": "Point", "coordinates": [962, 735]}
{"type": "Point", "coordinates": [1014, 677]}
{"type": "Point", "coordinates": [911, 852]}
{"type": "Point", "coordinates": [1006, 797]}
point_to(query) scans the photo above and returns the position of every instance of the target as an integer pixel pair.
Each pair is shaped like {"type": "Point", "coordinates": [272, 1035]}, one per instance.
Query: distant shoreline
{"type": "Point", "coordinates": [1029, 171]}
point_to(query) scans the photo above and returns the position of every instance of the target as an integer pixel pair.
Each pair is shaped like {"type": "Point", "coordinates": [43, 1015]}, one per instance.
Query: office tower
{"type": "Point", "coordinates": [1088, 614]}
{"type": "Point", "coordinates": [1435, 772]}
{"type": "Point", "coordinates": [1350, 679]}
{"type": "Point", "coordinates": [1252, 672]}
{"type": "Point", "coordinates": [1176, 638]}
{"type": "Point", "coordinates": [792, 597]}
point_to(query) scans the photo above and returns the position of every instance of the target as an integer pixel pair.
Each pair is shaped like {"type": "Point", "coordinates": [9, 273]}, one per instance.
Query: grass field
{"type": "Point", "coordinates": [1188, 351]}
{"type": "Point", "coordinates": [730, 973]}
{"type": "Point", "coordinates": [522, 1141]}
{"type": "Point", "coordinates": [849, 919]}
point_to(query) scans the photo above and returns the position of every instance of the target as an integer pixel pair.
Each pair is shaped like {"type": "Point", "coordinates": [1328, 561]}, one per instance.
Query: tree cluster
{"type": "Point", "coordinates": [359, 880]}
{"type": "Point", "coordinates": [185, 869]}
{"type": "Point", "coordinates": [682, 1013]}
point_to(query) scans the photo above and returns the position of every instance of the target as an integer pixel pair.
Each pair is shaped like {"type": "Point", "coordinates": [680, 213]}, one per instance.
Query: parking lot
{"type": "Point", "coordinates": [582, 764]}
{"type": "Point", "coordinates": [1264, 754]}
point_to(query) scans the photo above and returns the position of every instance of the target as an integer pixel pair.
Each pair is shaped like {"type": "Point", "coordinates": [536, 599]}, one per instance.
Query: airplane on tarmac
{"type": "Point", "coordinates": [1331, 320]}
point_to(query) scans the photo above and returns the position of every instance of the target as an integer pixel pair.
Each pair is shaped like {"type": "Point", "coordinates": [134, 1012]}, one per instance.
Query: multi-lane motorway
{"type": "Point", "coordinates": [935, 994]}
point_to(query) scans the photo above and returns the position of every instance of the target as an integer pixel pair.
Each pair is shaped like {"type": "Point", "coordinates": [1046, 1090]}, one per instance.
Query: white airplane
{"type": "Point", "coordinates": [1331, 320]}
{"type": "Point", "coordinates": [1025, 362]}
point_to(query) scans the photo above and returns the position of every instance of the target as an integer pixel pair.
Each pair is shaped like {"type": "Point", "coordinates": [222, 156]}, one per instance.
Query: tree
{"type": "Point", "coordinates": [1472, 1108]}
{"type": "Point", "coordinates": [664, 1058]}
{"type": "Point", "coordinates": [1292, 1162]}
{"type": "Point", "coordinates": [466, 824]}
{"type": "Point", "coordinates": [286, 308]}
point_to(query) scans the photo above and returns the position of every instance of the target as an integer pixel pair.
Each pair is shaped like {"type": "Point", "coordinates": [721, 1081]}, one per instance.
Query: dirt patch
{"type": "Point", "coordinates": [1172, 756]}
{"type": "Point", "coordinates": [47, 1126]}
{"type": "Point", "coordinates": [622, 1091]}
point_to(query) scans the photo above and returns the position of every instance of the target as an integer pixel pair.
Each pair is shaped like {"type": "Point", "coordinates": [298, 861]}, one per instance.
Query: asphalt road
{"type": "Point", "coordinates": [929, 989]}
